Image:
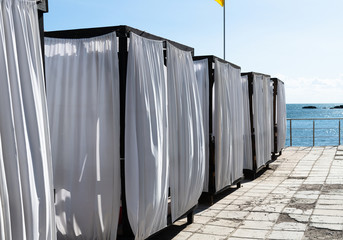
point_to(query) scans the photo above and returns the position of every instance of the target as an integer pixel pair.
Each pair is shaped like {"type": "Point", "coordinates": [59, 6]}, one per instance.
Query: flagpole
{"type": "Point", "coordinates": [224, 27]}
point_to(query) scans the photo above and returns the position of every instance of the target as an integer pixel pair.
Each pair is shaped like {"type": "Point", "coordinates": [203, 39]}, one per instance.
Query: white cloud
{"type": "Point", "coordinates": [313, 89]}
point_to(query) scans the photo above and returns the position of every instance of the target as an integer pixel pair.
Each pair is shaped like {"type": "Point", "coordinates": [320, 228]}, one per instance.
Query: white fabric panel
{"type": "Point", "coordinates": [214, 107]}
{"type": "Point", "coordinates": [258, 114]}
{"type": "Point", "coordinates": [236, 105]}
{"type": "Point", "coordinates": [26, 191]}
{"type": "Point", "coordinates": [222, 126]}
{"type": "Point", "coordinates": [281, 116]}
{"type": "Point", "coordinates": [5, 215]}
{"type": "Point", "coordinates": [202, 75]}
{"type": "Point", "coordinates": [262, 113]}
{"type": "Point", "coordinates": [186, 133]}
{"type": "Point", "coordinates": [272, 149]}
{"type": "Point", "coordinates": [247, 128]}
{"type": "Point", "coordinates": [268, 98]}
{"type": "Point", "coordinates": [228, 125]}
{"type": "Point", "coordinates": [83, 103]}
{"type": "Point", "coordinates": [146, 149]}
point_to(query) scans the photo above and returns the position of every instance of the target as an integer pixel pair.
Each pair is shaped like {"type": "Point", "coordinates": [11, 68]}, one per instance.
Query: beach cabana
{"type": "Point", "coordinates": [149, 84]}
{"type": "Point", "coordinates": [279, 116]}
{"type": "Point", "coordinates": [261, 122]}
{"type": "Point", "coordinates": [221, 96]}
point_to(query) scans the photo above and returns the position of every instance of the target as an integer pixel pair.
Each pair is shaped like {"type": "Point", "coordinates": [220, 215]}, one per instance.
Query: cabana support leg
{"type": "Point", "coordinates": [190, 217]}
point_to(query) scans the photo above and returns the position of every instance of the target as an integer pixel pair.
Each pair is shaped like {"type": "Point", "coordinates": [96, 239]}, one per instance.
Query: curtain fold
{"type": "Point", "coordinates": [269, 123]}
{"type": "Point", "coordinates": [262, 113]}
{"type": "Point", "coordinates": [27, 210]}
{"type": "Point", "coordinates": [202, 75]}
{"type": "Point", "coordinates": [5, 215]}
{"type": "Point", "coordinates": [83, 103]}
{"type": "Point", "coordinates": [281, 116]}
{"type": "Point", "coordinates": [146, 146]}
{"type": "Point", "coordinates": [247, 145]}
{"type": "Point", "coordinates": [270, 110]}
{"type": "Point", "coordinates": [236, 104]}
{"type": "Point", "coordinates": [228, 125]}
{"type": "Point", "coordinates": [186, 133]}
{"type": "Point", "coordinates": [222, 126]}
{"type": "Point", "coordinates": [258, 115]}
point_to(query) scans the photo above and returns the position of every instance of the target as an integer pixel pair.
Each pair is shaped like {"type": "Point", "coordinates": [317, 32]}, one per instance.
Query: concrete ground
{"type": "Point", "coordinates": [299, 197]}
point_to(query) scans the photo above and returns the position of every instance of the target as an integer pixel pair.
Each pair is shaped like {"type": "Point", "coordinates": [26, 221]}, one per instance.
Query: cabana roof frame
{"type": "Point", "coordinates": [212, 58]}
{"type": "Point", "coordinates": [278, 80]}
{"type": "Point", "coordinates": [121, 31]}
{"type": "Point", "coordinates": [254, 73]}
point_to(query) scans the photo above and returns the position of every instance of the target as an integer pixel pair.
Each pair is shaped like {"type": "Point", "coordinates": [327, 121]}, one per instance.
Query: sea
{"type": "Point", "coordinates": [325, 130]}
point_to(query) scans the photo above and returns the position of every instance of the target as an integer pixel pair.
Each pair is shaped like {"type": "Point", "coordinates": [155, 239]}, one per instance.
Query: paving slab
{"type": "Point", "coordinates": [335, 227]}
{"type": "Point", "coordinates": [250, 233]}
{"type": "Point", "coordinates": [216, 230]}
{"type": "Point", "coordinates": [290, 226]}
{"type": "Point", "coordinates": [286, 235]}
{"type": "Point", "coordinates": [233, 214]}
{"type": "Point", "coordinates": [264, 225]}
{"type": "Point", "coordinates": [200, 236]}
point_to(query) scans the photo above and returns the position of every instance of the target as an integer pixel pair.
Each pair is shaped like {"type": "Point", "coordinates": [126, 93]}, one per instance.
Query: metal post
{"type": "Point", "coordinates": [290, 132]}
{"type": "Point", "coordinates": [313, 132]}
{"type": "Point", "coordinates": [339, 132]}
{"type": "Point", "coordinates": [224, 27]}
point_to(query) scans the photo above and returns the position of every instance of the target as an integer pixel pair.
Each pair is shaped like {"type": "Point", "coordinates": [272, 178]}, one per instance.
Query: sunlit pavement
{"type": "Point", "coordinates": [299, 197]}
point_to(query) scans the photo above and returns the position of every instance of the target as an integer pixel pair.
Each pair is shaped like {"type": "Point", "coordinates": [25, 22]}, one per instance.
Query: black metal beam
{"type": "Point", "coordinates": [42, 6]}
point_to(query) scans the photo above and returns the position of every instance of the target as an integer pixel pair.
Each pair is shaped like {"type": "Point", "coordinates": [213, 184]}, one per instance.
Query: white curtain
{"type": "Point", "coordinates": [258, 115]}
{"type": "Point", "coordinates": [202, 75]}
{"type": "Point", "coordinates": [236, 106]}
{"type": "Point", "coordinates": [271, 111]}
{"type": "Point", "coordinates": [5, 216]}
{"type": "Point", "coordinates": [262, 113]}
{"type": "Point", "coordinates": [222, 126]}
{"type": "Point", "coordinates": [26, 191]}
{"type": "Point", "coordinates": [83, 103]}
{"type": "Point", "coordinates": [281, 116]}
{"type": "Point", "coordinates": [228, 125]}
{"type": "Point", "coordinates": [269, 122]}
{"type": "Point", "coordinates": [146, 147]}
{"type": "Point", "coordinates": [247, 145]}
{"type": "Point", "coordinates": [186, 133]}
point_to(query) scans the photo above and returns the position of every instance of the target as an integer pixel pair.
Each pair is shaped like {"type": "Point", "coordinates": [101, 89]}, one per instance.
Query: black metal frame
{"type": "Point", "coordinates": [42, 6]}
{"type": "Point", "coordinates": [248, 173]}
{"type": "Point", "coordinates": [211, 185]}
{"type": "Point", "coordinates": [276, 82]}
{"type": "Point", "coordinates": [123, 34]}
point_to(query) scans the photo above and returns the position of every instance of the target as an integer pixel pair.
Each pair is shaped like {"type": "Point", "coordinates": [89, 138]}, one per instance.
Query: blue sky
{"type": "Point", "coordinates": [299, 41]}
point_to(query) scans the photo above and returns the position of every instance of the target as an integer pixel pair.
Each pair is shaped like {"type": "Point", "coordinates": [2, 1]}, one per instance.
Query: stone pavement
{"type": "Point", "coordinates": [299, 197]}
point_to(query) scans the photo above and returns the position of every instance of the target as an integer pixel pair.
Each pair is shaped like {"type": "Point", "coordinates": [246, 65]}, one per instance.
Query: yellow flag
{"type": "Point", "coordinates": [221, 2]}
